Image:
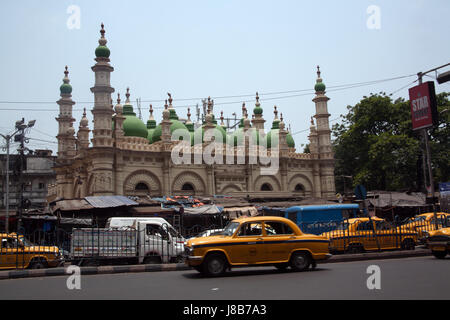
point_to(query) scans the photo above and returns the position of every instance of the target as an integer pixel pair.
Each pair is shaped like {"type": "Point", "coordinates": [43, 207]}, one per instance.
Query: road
{"type": "Point", "coordinates": [407, 278]}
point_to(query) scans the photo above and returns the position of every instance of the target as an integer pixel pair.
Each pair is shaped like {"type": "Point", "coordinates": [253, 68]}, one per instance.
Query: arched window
{"type": "Point", "coordinates": [187, 187]}
{"type": "Point", "coordinates": [141, 187]}
{"type": "Point", "coordinates": [266, 187]}
{"type": "Point", "coordinates": [299, 188]}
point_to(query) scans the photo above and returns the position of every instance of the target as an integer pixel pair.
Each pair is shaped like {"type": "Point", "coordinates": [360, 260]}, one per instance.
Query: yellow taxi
{"type": "Point", "coordinates": [17, 252]}
{"type": "Point", "coordinates": [364, 234]}
{"type": "Point", "coordinates": [439, 242]}
{"type": "Point", "coordinates": [425, 222]}
{"type": "Point", "coordinates": [253, 241]}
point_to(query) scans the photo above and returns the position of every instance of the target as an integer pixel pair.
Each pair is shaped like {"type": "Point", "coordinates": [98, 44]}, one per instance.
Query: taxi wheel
{"type": "Point", "coordinates": [300, 261]}
{"type": "Point", "coordinates": [38, 264]}
{"type": "Point", "coordinates": [214, 265]}
{"type": "Point", "coordinates": [408, 244]}
{"type": "Point", "coordinates": [439, 254]}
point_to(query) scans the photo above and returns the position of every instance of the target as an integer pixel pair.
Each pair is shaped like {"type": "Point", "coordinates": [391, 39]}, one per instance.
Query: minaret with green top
{"type": "Point", "coordinates": [102, 133]}
{"type": "Point", "coordinates": [324, 148]}
{"type": "Point", "coordinates": [65, 137]}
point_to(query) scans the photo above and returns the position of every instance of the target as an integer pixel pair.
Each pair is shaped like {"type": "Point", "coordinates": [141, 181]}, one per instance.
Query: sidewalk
{"type": "Point", "coordinates": [14, 274]}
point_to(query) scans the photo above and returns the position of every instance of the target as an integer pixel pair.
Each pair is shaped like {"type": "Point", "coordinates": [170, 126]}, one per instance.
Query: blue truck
{"type": "Point", "coordinates": [316, 219]}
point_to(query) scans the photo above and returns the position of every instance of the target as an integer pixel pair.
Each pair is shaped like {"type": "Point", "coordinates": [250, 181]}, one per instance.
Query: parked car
{"type": "Point", "coordinates": [18, 252]}
{"type": "Point", "coordinates": [256, 241]}
{"type": "Point", "coordinates": [439, 242]}
{"type": "Point", "coordinates": [425, 222]}
{"type": "Point", "coordinates": [365, 234]}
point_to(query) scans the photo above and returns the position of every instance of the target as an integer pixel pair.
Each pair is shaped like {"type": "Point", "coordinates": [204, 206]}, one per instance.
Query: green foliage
{"type": "Point", "coordinates": [375, 145]}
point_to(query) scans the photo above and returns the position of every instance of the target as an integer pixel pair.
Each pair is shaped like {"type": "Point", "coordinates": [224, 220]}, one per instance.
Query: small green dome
{"type": "Point", "coordinates": [290, 141]}
{"type": "Point", "coordinates": [102, 51]}
{"type": "Point", "coordinates": [200, 133]}
{"type": "Point", "coordinates": [150, 135]}
{"type": "Point", "coordinates": [65, 88]}
{"type": "Point", "coordinates": [237, 137]}
{"type": "Point", "coordinates": [133, 126]}
{"type": "Point", "coordinates": [258, 110]}
{"type": "Point", "coordinates": [319, 87]}
{"type": "Point", "coordinates": [275, 133]}
{"type": "Point", "coordinates": [175, 124]}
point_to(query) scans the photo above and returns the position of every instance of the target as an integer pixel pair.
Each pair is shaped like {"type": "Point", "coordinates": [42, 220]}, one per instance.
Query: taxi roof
{"type": "Point", "coordinates": [261, 218]}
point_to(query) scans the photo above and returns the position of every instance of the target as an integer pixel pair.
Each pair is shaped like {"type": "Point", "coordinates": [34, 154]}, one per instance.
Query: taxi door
{"type": "Point", "coordinates": [10, 254]}
{"type": "Point", "coordinates": [278, 241]}
{"type": "Point", "coordinates": [365, 232]}
{"type": "Point", "coordinates": [247, 246]}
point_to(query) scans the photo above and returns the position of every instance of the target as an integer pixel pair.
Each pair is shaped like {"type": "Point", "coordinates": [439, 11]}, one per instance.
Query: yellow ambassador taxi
{"type": "Point", "coordinates": [439, 242]}
{"type": "Point", "coordinates": [425, 222]}
{"type": "Point", "coordinates": [17, 252]}
{"type": "Point", "coordinates": [360, 234]}
{"type": "Point", "coordinates": [253, 241]}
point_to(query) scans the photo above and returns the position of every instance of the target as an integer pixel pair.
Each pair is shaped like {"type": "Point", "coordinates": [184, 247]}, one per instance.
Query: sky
{"type": "Point", "coordinates": [200, 48]}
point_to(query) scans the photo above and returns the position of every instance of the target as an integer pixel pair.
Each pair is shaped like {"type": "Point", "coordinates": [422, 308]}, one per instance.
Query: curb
{"type": "Point", "coordinates": [63, 271]}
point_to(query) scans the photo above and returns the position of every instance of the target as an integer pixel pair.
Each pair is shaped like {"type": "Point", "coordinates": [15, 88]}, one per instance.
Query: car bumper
{"type": "Point", "coordinates": [439, 245]}
{"type": "Point", "coordinates": [193, 260]}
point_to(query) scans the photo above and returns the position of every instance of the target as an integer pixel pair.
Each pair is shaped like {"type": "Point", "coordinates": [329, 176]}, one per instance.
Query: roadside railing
{"type": "Point", "coordinates": [360, 235]}
{"type": "Point", "coordinates": [95, 246]}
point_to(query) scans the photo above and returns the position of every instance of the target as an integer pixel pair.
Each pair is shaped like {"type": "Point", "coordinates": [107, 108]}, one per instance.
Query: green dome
{"type": "Point", "coordinates": [257, 110]}
{"type": "Point", "coordinates": [319, 87]}
{"type": "Point", "coordinates": [175, 124]}
{"type": "Point", "coordinates": [200, 133]}
{"type": "Point", "coordinates": [65, 88]}
{"type": "Point", "coordinates": [133, 126]}
{"type": "Point", "coordinates": [290, 141]}
{"type": "Point", "coordinates": [150, 135]}
{"type": "Point", "coordinates": [275, 132]}
{"type": "Point", "coordinates": [102, 51]}
{"type": "Point", "coordinates": [237, 137]}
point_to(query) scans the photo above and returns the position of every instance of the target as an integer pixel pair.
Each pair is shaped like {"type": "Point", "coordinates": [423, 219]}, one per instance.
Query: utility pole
{"type": "Point", "coordinates": [21, 127]}
{"type": "Point", "coordinates": [7, 139]}
{"type": "Point", "coordinates": [441, 79]}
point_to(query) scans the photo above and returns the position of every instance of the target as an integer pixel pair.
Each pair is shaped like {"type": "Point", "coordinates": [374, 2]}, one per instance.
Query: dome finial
{"type": "Point", "coordinates": [170, 98]}
{"type": "Point", "coordinates": [318, 71]}
{"type": "Point", "coordinates": [127, 101]}
{"type": "Point", "coordinates": [257, 99]}
{"type": "Point", "coordinates": [275, 111]}
{"type": "Point", "coordinates": [118, 98]}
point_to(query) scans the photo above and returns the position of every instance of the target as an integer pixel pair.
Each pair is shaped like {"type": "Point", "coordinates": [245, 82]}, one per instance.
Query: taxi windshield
{"type": "Point", "coordinates": [230, 229]}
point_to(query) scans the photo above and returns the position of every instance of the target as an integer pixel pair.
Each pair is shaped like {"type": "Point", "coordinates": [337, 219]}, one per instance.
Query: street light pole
{"type": "Point", "coordinates": [19, 127]}
{"type": "Point", "coordinates": [427, 146]}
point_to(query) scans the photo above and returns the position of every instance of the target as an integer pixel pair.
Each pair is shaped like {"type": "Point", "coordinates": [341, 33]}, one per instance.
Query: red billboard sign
{"type": "Point", "coordinates": [423, 105]}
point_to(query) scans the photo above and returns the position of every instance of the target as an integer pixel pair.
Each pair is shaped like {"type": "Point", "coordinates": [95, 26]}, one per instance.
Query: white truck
{"type": "Point", "coordinates": [127, 240]}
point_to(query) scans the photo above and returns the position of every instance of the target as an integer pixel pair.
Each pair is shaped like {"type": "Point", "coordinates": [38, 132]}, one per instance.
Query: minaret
{"type": "Point", "coordinates": [65, 137]}
{"type": "Point", "coordinates": [258, 121]}
{"type": "Point", "coordinates": [119, 118]}
{"type": "Point", "coordinates": [322, 116]}
{"type": "Point", "coordinates": [104, 160]}
{"type": "Point", "coordinates": [102, 133]}
{"type": "Point", "coordinates": [165, 124]}
{"type": "Point", "coordinates": [326, 156]}
{"type": "Point", "coordinates": [83, 133]}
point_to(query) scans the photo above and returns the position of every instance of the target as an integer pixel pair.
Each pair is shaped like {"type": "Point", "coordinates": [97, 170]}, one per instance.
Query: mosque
{"type": "Point", "coordinates": [128, 157]}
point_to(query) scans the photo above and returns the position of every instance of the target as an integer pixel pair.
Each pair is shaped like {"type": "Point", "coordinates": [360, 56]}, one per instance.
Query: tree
{"type": "Point", "coordinates": [376, 145]}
